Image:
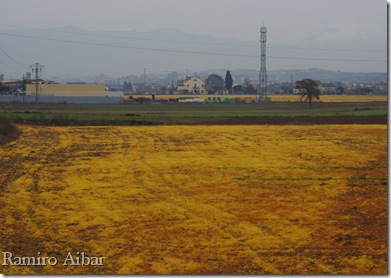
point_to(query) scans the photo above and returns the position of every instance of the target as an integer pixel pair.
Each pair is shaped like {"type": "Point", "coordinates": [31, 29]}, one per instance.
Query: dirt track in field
{"type": "Point", "coordinates": [300, 120]}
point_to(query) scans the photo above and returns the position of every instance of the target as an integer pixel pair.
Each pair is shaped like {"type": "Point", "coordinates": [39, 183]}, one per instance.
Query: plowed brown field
{"type": "Point", "coordinates": [198, 199]}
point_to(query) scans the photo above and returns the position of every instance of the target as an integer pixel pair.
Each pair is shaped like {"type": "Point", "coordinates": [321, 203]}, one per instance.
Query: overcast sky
{"type": "Point", "coordinates": [290, 20]}
{"type": "Point", "coordinates": [330, 33]}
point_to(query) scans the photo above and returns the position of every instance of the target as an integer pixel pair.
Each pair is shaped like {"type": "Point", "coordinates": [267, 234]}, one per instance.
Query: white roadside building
{"type": "Point", "coordinates": [192, 84]}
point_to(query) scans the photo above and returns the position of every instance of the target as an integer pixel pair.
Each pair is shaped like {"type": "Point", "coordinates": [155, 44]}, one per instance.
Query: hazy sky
{"type": "Point", "coordinates": [335, 29]}
{"type": "Point", "coordinates": [290, 20]}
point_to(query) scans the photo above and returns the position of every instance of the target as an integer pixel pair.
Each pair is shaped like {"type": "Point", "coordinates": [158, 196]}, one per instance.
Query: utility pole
{"type": "Point", "coordinates": [292, 81]}
{"type": "Point", "coordinates": [145, 83]}
{"type": "Point", "coordinates": [37, 70]}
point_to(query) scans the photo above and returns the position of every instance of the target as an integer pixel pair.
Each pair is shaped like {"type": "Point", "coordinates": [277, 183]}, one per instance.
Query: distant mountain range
{"type": "Point", "coordinates": [70, 50]}
{"type": "Point", "coordinates": [350, 37]}
{"type": "Point", "coordinates": [328, 76]}
{"type": "Point", "coordinates": [325, 76]}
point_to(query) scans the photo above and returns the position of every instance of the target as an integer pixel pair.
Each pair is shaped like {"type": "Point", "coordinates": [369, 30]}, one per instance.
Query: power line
{"type": "Point", "coordinates": [328, 49]}
{"type": "Point", "coordinates": [326, 59]}
{"type": "Point", "coordinates": [8, 66]}
{"type": "Point", "coordinates": [132, 38]}
{"type": "Point", "coordinates": [200, 43]}
{"type": "Point", "coordinates": [185, 51]}
{"type": "Point", "coordinates": [2, 50]}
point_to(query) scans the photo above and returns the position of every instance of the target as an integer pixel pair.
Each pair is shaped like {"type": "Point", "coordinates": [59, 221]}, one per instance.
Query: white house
{"type": "Point", "coordinates": [192, 84]}
{"type": "Point", "coordinates": [327, 88]}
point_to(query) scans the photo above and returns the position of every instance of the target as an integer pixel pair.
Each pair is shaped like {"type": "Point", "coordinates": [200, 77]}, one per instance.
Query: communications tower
{"type": "Point", "coordinates": [262, 72]}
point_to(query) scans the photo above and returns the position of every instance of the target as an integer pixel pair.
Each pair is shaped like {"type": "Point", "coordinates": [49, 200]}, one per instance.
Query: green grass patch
{"type": "Point", "coordinates": [180, 113]}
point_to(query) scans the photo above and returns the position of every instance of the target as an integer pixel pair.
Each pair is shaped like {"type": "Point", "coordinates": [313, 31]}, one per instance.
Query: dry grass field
{"type": "Point", "coordinates": [198, 199]}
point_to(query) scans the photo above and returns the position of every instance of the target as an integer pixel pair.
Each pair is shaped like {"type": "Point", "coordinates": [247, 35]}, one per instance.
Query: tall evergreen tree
{"type": "Point", "coordinates": [127, 86]}
{"type": "Point", "coordinates": [228, 81]}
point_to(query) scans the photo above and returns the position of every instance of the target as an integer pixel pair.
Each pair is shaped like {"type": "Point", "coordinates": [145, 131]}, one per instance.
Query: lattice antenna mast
{"type": "Point", "coordinates": [36, 69]}
{"type": "Point", "coordinates": [262, 72]}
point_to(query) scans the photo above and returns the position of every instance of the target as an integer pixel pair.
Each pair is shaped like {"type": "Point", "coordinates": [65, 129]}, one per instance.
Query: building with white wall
{"type": "Point", "coordinates": [192, 84]}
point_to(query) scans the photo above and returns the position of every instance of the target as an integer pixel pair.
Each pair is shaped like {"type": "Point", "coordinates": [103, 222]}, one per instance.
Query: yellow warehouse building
{"type": "Point", "coordinates": [68, 90]}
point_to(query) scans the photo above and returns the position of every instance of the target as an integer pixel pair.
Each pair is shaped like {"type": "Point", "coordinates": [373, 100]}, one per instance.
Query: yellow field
{"type": "Point", "coordinates": [280, 98]}
{"type": "Point", "coordinates": [198, 199]}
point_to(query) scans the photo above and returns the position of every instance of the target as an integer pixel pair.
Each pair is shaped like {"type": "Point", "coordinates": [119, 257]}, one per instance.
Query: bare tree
{"type": "Point", "coordinates": [248, 87]}
{"type": "Point", "coordinates": [214, 83]}
{"type": "Point", "coordinates": [308, 90]}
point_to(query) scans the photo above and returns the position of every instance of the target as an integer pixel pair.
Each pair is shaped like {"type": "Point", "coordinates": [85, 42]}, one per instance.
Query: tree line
{"type": "Point", "coordinates": [214, 83]}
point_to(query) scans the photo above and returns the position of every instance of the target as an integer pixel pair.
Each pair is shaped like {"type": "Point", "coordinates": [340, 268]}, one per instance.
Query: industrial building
{"type": "Point", "coordinates": [62, 93]}
{"type": "Point", "coordinates": [67, 90]}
